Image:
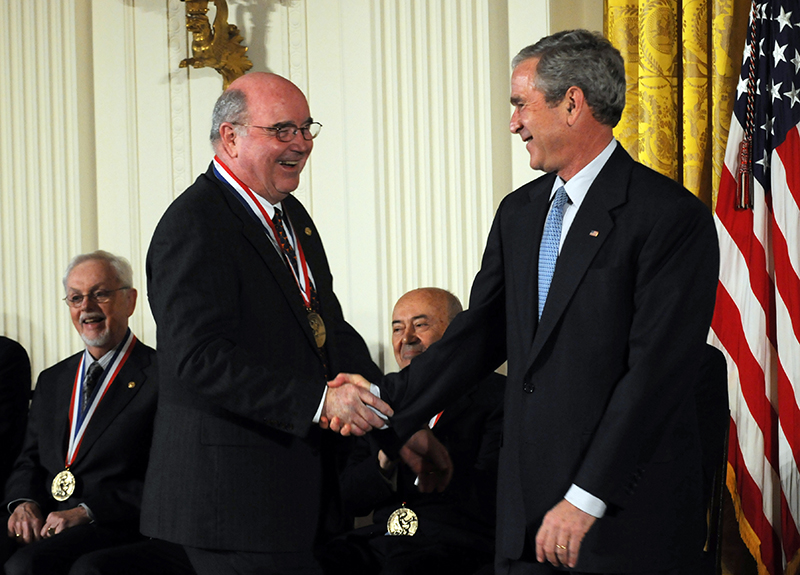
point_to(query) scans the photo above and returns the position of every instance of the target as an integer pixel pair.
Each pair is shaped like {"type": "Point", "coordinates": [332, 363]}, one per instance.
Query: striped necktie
{"type": "Point", "coordinates": [90, 383]}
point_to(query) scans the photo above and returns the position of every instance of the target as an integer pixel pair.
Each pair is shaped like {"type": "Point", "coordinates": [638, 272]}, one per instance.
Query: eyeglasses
{"type": "Point", "coordinates": [97, 296]}
{"type": "Point", "coordinates": [287, 133]}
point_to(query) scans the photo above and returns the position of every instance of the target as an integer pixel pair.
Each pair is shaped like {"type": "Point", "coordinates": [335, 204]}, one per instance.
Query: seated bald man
{"type": "Point", "coordinates": [420, 533]}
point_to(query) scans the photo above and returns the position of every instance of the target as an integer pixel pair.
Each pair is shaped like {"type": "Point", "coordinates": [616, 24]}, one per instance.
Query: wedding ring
{"type": "Point", "coordinates": [19, 534]}
{"type": "Point", "coordinates": [51, 531]}
{"type": "Point", "coordinates": [561, 546]}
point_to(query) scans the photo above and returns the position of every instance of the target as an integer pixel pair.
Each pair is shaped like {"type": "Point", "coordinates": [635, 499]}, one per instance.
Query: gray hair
{"type": "Point", "coordinates": [583, 59]}
{"type": "Point", "coordinates": [121, 266]}
{"type": "Point", "coordinates": [231, 107]}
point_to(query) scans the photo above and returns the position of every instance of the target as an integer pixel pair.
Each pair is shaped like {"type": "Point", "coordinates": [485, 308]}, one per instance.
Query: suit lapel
{"type": "Point", "coordinates": [587, 234]}
{"type": "Point", "coordinates": [255, 234]}
{"type": "Point", "coordinates": [122, 390]}
{"type": "Point", "coordinates": [62, 403]}
{"type": "Point", "coordinates": [527, 228]}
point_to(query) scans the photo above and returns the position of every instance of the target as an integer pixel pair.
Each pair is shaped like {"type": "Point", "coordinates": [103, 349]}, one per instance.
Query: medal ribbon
{"type": "Point", "coordinates": [248, 199]}
{"type": "Point", "coordinates": [78, 424]}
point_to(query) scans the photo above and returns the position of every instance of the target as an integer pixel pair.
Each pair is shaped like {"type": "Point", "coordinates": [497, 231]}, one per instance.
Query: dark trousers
{"type": "Point", "coordinates": [509, 567]}
{"type": "Point", "coordinates": [149, 557]}
{"type": "Point", "coordinates": [55, 555]}
{"type": "Point", "coordinates": [207, 562]}
{"type": "Point", "coordinates": [364, 554]}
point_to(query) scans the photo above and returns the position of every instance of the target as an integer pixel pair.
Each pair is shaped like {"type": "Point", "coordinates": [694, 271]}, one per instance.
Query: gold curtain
{"type": "Point", "coordinates": [682, 60]}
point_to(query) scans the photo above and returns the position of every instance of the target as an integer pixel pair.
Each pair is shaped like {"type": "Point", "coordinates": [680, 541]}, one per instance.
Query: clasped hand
{"type": "Point", "coordinates": [347, 407]}
{"type": "Point", "coordinates": [27, 524]}
{"type": "Point", "coordinates": [423, 453]}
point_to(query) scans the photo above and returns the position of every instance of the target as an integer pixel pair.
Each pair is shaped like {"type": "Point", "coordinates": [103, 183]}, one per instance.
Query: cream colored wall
{"type": "Point", "coordinates": [47, 211]}
{"type": "Point", "coordinates": [100, 129]}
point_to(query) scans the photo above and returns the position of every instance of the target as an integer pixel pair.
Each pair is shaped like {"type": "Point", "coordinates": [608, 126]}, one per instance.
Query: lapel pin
{"type": "Point", "coordinates": [594, 233]}
{"type": "Point", "coordinates": [131, 384]}
{"type": "Point", "coordinates": [308, 231]}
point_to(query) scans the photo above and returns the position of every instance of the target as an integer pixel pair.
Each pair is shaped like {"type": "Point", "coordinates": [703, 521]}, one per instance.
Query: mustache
{"type": "Point", "coordinates": [91, 315]}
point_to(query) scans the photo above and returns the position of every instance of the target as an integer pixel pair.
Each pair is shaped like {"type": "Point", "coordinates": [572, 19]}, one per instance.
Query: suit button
{"type": "Point", "coordinates": [528, 387]}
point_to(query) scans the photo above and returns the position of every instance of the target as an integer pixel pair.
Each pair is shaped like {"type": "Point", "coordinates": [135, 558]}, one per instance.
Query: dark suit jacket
{"type": "Point", "coordinates": [237, 461]}
{"type": "Point", "coordinates": [461, 516]}
{"type": "Point", "coordinates": [15, 391]}
{"type": "Point", "coordinates": [112, 459]}
{"type": "Point", "coordinates": [600, 393]}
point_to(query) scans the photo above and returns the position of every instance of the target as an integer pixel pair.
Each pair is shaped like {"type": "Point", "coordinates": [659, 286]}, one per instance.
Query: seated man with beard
{"type": "Point", "coordinates": [76, 487]}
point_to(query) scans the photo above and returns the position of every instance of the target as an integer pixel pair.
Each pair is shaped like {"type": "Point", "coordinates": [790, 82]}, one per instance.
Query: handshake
{"type": "Point", "coordinates": [350, 408]}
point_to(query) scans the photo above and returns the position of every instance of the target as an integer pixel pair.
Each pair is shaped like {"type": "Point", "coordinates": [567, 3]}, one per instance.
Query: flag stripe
{"type": "Point", "coordinates": [729, 326]}
{"type": "Point", "coordinates": [750, 497]}
{"type": "Point", "coordinates": [786, 222]}
{"type": "Point", "coordinates": [739, 225]}
{"type": "Point", "coordinates": [790, 484]}
{"type": "Point", "coordinates": [757, 424]}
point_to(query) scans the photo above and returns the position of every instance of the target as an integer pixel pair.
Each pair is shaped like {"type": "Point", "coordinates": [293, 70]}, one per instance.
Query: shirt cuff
{"type": "Point", "coordinates": [374, 390]}
{"type": "Point", "coordinates": [17, 502]}
{"type": "Point", "coordinates": [88, 512]}
{"type": "Point", "coordinates": [318, 414]}
{"type": "Point", "coordinates": [585, 501]}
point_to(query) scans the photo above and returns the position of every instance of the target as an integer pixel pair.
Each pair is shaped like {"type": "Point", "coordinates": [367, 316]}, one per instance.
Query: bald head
{"type": "Point", "coordinates": [232, 105]}
{"type": "Point", "coordinates": [419, 319]}
{"type": "Point", "coordinates": [270, 167]}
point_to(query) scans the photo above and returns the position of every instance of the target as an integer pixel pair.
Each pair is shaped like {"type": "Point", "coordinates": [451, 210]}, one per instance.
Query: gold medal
{"type": "Point", "coordinates": [63, 485]}
{"type": "Point", "coordinates": [402, 521]}
{"type": "Point", "coordinates": [317, 327]}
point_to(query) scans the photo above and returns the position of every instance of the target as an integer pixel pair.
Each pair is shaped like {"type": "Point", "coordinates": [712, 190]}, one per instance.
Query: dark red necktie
{"type": "Point", "coordinates": [283, 240]}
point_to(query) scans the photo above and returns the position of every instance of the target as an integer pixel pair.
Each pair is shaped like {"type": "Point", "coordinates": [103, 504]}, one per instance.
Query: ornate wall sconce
{"type": "Point", "coordinates": [219, 48]}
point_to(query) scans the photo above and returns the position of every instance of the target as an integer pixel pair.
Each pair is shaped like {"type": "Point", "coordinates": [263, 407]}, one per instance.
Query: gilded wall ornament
{"type": "Point", "coordinates": [219, 48]}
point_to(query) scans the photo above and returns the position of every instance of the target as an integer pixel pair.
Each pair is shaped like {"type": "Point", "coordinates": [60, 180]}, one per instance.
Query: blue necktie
{"type": "Point", "coordinates": [548, 250]}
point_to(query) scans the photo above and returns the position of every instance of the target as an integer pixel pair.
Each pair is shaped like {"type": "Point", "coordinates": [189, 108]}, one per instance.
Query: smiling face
{"type": "Point", "coordinates": [271, 168]}
{"type": "Point", "coordinates": [100, 325]}
{"type": "Point", "coordinates": [541, 127]}
{"type": "Point", "coordinates": [419, 319]}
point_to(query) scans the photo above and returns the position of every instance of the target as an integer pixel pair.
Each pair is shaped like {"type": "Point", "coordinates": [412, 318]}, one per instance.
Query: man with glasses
{"type": "Point", "coordinates": [76, 487]}
{"type": "Point", "coordinates": [249, 332]}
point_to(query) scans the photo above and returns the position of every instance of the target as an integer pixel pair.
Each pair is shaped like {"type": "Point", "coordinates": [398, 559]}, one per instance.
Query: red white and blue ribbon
{"type": "Point", "coordinates": [78, 422]}
{"type": "Point", "coordinates": [248, 199]}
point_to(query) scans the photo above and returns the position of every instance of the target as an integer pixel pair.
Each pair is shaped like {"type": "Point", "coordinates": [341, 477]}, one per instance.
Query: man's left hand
{"type": "Point", "coordinates": [429, 459]}
{"type": "Point", "coordinates": [559, 538]}
{"type": "Point", "coordinates": [58, 521]}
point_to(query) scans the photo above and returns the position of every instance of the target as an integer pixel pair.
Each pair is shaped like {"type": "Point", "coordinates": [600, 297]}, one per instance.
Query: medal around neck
{"type": "Point", "coordinates": [63, 485]}
{"type": "Point", "coordinates": [317, 327]}
{"type": "Point", "coordinates": [402, 521]}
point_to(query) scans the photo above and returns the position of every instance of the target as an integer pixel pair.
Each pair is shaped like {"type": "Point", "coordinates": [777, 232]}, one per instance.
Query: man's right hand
{"type": "Point", "coordinates": [25, 522]}
{"type": "Point", "coordinates": [346, 409]}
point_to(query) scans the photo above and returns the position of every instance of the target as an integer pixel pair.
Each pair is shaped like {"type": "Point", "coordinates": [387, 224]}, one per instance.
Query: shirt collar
{"type": "Point", "coordinates": [103, 361]}
{"type": "Point", "coordinates": [579, 184]}
{"type": "Point", "coordinates": [270, 208]}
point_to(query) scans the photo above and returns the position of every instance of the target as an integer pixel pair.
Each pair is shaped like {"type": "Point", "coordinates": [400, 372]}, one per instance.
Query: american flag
{"type": "Point", "coordinates": [757, 317]}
